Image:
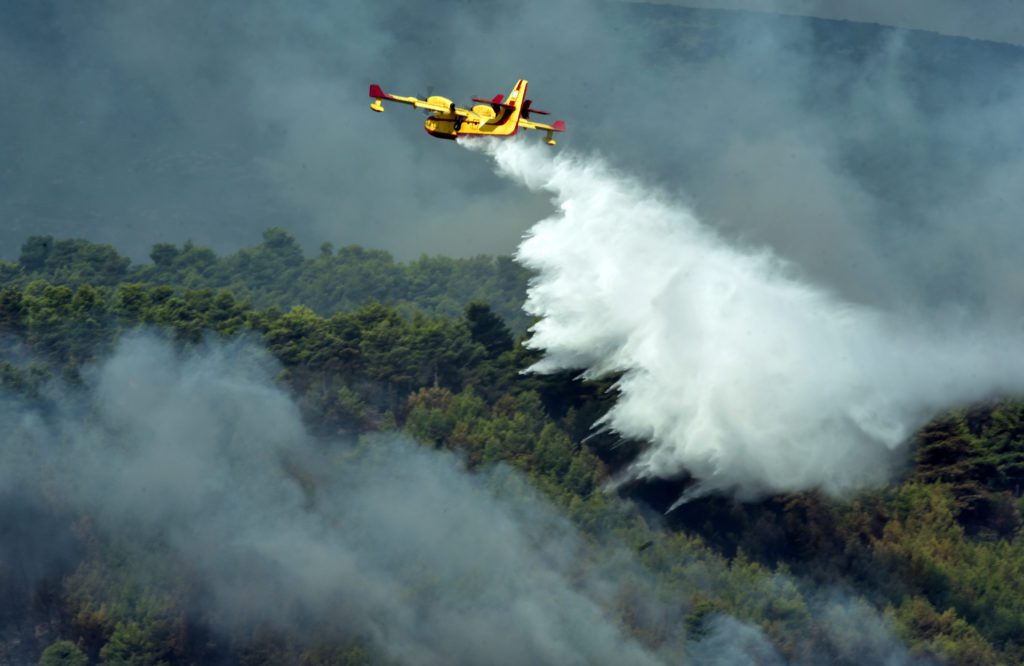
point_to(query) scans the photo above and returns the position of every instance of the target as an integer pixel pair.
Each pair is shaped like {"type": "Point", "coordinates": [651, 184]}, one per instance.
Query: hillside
{"type": "Point", "coordinates": [936, 560]}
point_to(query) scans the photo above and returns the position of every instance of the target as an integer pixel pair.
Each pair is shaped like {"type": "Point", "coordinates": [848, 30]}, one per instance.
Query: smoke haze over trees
{"type": "Point", "coordinates": [168, 501]}
{"type": "Point", "coordinates": [234, 428]}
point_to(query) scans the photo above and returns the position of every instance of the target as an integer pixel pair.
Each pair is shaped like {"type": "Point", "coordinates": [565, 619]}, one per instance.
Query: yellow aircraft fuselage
{"type": "Point", "coordinates": [498, 117]}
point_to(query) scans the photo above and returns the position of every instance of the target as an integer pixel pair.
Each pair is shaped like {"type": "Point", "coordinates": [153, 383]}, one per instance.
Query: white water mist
{"type": "Point", "coordinates": [733, 368]}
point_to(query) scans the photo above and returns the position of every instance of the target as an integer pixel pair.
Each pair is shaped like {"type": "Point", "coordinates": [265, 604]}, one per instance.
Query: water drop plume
{"type": "Point", "coordinates": [736, 370]}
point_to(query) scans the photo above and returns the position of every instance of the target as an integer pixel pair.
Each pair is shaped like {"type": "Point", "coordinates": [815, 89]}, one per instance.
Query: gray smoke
{"type": "Point", "coordinates": [1000, 20]}
{"type": "Point", "coordinates": [203, 456]}
{"type": "Point", "coordinates": [194, 460]}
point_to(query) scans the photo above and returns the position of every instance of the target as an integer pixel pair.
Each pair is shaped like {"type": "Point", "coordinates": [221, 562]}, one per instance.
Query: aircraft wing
{"type": "Point", "coordinates": [559, 125]}
{"type": "Point", "coordinates": [377, 93]}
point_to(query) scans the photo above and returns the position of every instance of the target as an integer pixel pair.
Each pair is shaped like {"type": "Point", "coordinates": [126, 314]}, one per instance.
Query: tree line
{"type": "Point", "coordinates": [940, 556]}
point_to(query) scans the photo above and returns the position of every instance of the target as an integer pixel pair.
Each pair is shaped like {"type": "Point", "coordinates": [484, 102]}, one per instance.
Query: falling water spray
{"type": "Point", "coordinates": [734, 369]}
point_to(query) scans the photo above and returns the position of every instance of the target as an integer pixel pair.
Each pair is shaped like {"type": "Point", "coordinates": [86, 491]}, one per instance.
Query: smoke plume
{"type": "Point", "coordinates": [194, 463]}
{"type": "Point", "coordinates": [197, 456]}
{"type": "Point", "coordinates": [734, 368]}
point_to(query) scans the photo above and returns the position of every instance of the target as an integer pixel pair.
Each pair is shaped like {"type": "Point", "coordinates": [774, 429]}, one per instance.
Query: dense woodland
{"type": "Point", "coordinates": [276, 274]}
{"type": "Point", "coordinates": [432, 348]}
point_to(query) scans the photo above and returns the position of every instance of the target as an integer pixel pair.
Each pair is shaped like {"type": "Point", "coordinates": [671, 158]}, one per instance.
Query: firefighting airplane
{"type": "Point", "coordinates": [494, 117]}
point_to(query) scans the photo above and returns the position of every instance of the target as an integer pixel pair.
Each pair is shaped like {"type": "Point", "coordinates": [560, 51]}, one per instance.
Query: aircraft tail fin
{"type": "Point", "coordinates": [512, 104]}
{"type": "Point", "coordinates": [516, 98]}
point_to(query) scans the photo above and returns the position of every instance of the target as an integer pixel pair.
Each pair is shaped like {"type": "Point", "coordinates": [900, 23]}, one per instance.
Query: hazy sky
{"type": "Point", "coordinates": [997, 20]}
{"type": "Point", "coordinates": [883, 164]}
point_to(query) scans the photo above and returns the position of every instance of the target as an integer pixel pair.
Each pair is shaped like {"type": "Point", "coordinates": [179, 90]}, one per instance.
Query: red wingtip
{"type": "Point", "coordinates": [498, 99]}
{"type": "Point", "coordinates": [559, 125]}
{"type": "Point", "coordinates": [375, 91]}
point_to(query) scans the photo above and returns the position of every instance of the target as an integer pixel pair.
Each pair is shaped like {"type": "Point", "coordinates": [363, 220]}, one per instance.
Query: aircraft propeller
{"type": "Point", "coordinates": [430, 91]}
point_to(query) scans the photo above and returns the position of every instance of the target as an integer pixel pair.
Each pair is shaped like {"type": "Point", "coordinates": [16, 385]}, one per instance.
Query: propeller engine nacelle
{"type": "Point", "coordinates": [442, 101]}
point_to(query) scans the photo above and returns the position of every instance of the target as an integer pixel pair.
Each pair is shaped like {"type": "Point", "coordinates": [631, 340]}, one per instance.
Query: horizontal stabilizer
{"type": "Point", "coordinates": [496, 102]}
{"type": "Point", "coordinates": [528, 110]}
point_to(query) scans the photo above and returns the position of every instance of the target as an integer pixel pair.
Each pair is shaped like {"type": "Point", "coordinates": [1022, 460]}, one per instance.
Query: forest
{"type": "Point", "coordinates": [933, 566]}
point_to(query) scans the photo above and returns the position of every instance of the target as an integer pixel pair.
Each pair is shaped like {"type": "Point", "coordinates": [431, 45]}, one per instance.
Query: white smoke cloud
{"type": "Point", "coordinates": [735, 369]}
{"type": "Point", "coordinates": [197, 456]}
{"type": "Point", "coordinates": [194, 459]}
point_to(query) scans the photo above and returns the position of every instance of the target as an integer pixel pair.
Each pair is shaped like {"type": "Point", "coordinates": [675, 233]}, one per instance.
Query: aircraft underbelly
{"type": "Point", "coordinates": [440, 127]}
{"type": "Point", "coordinates": [443, 127]}
{"type": "Point", "coordinates": [507, 129]}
